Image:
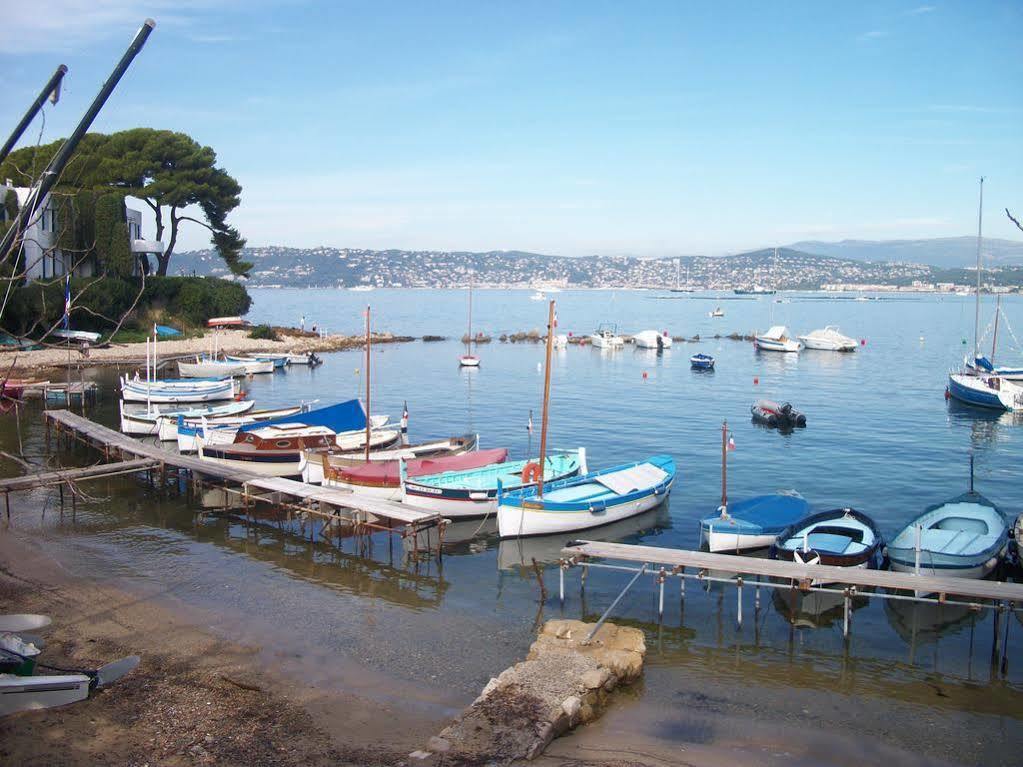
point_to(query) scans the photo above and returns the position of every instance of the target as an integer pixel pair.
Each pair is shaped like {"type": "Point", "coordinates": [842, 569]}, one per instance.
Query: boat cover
{"type": "Point", "coordinates": [640, 477]}
{"type": "Point", "coordinates": [984, 364]}
{"type": "Point", "coordinates": [769, 510]}
{"type": "Point", "coordinates": [389, 473]}
{"type": "Point", "coordinates": [345, 416]}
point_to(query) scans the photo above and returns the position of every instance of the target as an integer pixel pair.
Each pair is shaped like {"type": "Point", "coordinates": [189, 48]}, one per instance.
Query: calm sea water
{"type": "Point", "coordinates": [880, 438]}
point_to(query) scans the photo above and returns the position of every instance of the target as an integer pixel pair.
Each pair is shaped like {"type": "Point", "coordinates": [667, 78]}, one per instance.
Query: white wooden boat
{"type": "Point", "coordinates": [183, 429]}
{"type": "Point", "coordinates": [777, 339]}
{"type": "Point", "coordinates": [304, 358]}
{"type": "Point", "coordinates": [177, 391]}
{"type": "Point", "coordinates": [592, 500]}
{"type": "Point", "coordinates": [76, 335]}
{"type": "Point", "coordinates": [421, 451]}
{"type": "Point", "coordinates": [270, 451]}
{"type": "Point", "coordinates": [147, 422]}
{"type": "Point", "coordinates": [203, 367]}
{"type": "Point", "coordinates": [606, 337]}
{"type": "Point", "coordinates": [252, 365]}
{"type": "Point", "coordinates": [651, 339]}
{"type": "Point", "coordinates": [717, 312]}
{"type": "Point", "coordinates": [828, 339]}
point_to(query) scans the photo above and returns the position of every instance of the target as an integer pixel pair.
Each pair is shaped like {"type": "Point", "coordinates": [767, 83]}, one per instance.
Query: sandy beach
{"type": "Point", "coordinates": [227, 341]}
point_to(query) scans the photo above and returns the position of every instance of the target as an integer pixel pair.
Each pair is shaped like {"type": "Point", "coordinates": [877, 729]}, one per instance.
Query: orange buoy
{"type": "Point", "coordinates": [531, 473]}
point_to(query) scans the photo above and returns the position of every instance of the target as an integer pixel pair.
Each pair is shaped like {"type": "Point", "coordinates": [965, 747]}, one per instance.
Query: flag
{"type": "Point", "coordinates": [67, 301]}
{"type": "Point", "coordinates": [529, 425]}
{"type": "Point", "coordinates": [555, 319]}
{"type": "Point", "coordinates": [404, 418]}
{"type": "Point", "coordinates": [731, 441]}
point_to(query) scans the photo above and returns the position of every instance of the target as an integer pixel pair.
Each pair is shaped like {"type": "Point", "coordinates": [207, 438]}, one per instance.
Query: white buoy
{"type": "Point", "coordinates": [539, 367]}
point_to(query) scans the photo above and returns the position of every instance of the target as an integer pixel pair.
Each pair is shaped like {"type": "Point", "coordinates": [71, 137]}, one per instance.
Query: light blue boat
{"type": "Point", "coordinates": [964, 537]}
{"type": "Point", "coordinates": [752, 523]}
{"type": "Point", "coordinates": [473, 492]}
{"type": "Point", "coordinates": [592, 500]}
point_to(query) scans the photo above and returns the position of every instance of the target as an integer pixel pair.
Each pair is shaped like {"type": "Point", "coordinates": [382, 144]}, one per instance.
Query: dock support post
{"type": "Point", "coordinates": [661, 577]}
{"type": "Point", "coordinates": [845, 619]}
{"type": "Point", "coordinates": [738, 594]}
{"type": "Point", "coordinates": [996, 647]}
{"type": "Point", "coordinates": [7, 503]}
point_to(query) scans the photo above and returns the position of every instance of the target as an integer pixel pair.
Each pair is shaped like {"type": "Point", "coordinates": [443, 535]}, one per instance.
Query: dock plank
{"type": "Point", "coordinates": [773, 568]}
{"type": "Point", "coordinates": [43, 479]}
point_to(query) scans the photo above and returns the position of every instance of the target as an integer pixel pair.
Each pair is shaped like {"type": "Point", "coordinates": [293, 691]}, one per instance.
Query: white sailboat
{"type": "Point", "coordinates": [469, 360]}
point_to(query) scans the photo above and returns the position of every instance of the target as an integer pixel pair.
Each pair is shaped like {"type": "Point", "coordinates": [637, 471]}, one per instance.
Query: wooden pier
{"type": "Point", "coordinates": [756, 573]}
{"type": "Point", "coordinates": [334, 508]}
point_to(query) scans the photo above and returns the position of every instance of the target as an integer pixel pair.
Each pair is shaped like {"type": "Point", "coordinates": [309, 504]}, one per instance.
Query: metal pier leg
{"type": "Point", "coordinates": [607, 612]}
{"type": "Point", "coordinates": [997, 646]}
{"type": "Point", "coordinates": [845, 620]}
{"type": "Point", "coordinates": [661, 577]}
{"type": "Point", "coordinates": [738, 593]}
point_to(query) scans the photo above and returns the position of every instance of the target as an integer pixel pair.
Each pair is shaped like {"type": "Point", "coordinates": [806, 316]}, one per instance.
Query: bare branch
{"type": "Point", "coordinates": [1014, 220]}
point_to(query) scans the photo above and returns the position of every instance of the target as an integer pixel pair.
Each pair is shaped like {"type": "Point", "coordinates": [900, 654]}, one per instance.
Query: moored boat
{"type": "Point", "coordinates": [304, 358]}
{"type": "Point", "coordinates": [988, 391]}
{"type": "Point", "coordinates": [253, 365]}
{"type": "Point", "coordinates": [701, 361]}
{"type": "Point", "coordinates": [204, 367]}
{"type": "Point", "coordinates": [382, 479]}
{"type": "Point", "coordinates": [776, 339]}
{"type": "Point", "coordinates": [752, 523]}
{"type": "Point", "coordinates": [606, 337]}
{"type": "Point", "coordinates": [591, 500]}
{"type": "Point", "coordinates": [183, 429]}
{"type": "Point", "coordinates": [964, 537]}
{"type": "Point", "coordinates": [716, 312]}
{"type": "Point", "coordinates": [651, 339]}
{"type": "Point", "coordinates": [777, 415]}
{"type": "Point", "coordinates": [147, 422]}
{"type": "Point", "coordinates": [473, 493]}
{"type": "Point", "coordinates": [828, 339]}
{"type": "Point", "coordinates": [356, 456]}
{"type": "Point", "coordinates": [839, 538]}
{"type": "Point", "coordinates": [175, 391]}
{"type": "Point", "coordinates": [270, 451]}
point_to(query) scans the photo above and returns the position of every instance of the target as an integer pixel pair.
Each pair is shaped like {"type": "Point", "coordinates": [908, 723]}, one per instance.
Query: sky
{"type": "Point", "coordinates": [571, 128]}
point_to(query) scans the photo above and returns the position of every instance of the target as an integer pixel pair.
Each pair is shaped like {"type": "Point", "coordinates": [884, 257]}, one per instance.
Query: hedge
{"type": "Point", "coordinates": [186, 301]}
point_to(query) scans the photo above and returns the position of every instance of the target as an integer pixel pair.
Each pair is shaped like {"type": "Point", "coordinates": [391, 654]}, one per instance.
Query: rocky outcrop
{"type": "Point", "coordinates": [561, 684]}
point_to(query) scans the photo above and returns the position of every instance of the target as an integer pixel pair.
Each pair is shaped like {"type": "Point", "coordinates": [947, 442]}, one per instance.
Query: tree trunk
{"type": "Point", "coordinates": [163, 259]}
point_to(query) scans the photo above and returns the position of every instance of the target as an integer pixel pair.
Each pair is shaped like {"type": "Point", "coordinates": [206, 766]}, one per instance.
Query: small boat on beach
{"type": "Point", "coordinates": [591, 500]}
{"type": "Point", "coordinates": [964, 537]}
{"type": "Point", "coordinates": [651, 339]}
{"type": "Point", "coordinates": [78, 336]}
{"type": "Point", "coordinates": [752, 523]}
{"type": "Point", "coordinates": [701, 361]}
{"type": "Point", "coordinates": [473, 493]}
{"type": "Point", "coordinates": [382, 479]}
{"type": "Point", "coordinates": [776, 339]}
{"type": "Point", "coordinates": [839, 538]}
{"type": "Point", "coordinates": [777, 415]}
{"type": "Point", "coordinates": [828, 339]}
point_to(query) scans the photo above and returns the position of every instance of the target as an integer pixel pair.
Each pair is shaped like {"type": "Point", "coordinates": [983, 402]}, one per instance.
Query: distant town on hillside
{"type": "Point", "coordinates": [782, 269]}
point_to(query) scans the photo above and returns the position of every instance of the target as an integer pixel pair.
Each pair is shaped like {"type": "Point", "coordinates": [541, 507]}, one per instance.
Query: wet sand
{"type": "Point", "coordinates": [196, 698]}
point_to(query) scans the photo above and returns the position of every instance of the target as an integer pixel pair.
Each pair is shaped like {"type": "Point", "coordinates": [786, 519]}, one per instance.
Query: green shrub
{"type": "Point", "coordinates": [264, 333]}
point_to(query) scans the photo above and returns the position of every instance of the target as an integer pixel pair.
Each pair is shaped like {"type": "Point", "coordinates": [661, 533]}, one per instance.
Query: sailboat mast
{"type": "Point", "coordinates": [367, 384]}
{"type": "Point", "coordinates": [976, 310]}
{"type": "Point", "coordinates": [546, 398]}
{"type": "Point", "coordinates": [994, 337]}
{"type": "Point", "coordinates": [468, 343]}
{"type": "Point", "coordinates": [678, 270]}
{"type": "Point", "coordinates": [724, 464]}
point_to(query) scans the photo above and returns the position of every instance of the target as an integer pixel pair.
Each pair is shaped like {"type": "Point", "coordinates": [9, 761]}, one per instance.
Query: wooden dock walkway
{"type": "Point", "coordinates": [701, 561]}
{"type": "Point", "coordinates": [324, 503]}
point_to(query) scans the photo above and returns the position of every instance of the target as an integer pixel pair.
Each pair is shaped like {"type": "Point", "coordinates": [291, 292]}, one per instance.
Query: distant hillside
{"type": "Point", "coordinates": [947, 252]}
{"type": "Point", "coordinates": [348, 267]}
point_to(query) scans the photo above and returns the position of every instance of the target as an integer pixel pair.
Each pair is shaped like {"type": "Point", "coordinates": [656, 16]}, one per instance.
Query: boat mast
{"type": "Point", "coordinates": [468, 342]}
{"type": "Point", "coordinates": [546, 399]}
{"type": "Point", "coordinates": [367, 384]}
{"type": "Point", "coordinates": [724, 465]}
{"type": "Point", "coordinates": [976, 310]}
{"type": "Point", "coordinates": [994, 338]}
{"type": "Point", "coordinates": [678, 269]}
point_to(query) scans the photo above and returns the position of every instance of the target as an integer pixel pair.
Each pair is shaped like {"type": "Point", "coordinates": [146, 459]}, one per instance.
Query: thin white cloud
{"type": "Point", "coordinates": [873, 34]}
{"type": "Point", "coordinates": [921, 9]}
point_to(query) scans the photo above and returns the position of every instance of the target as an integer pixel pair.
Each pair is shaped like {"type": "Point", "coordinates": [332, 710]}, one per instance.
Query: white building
{"type": "Point", "coordinates": [41, 259]}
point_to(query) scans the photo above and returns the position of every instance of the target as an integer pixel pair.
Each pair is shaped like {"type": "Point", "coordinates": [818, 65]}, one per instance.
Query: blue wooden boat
{"type": "Point", "coordinates": [591, 500]}
{"type": "Point", "coordinates": [473, 492]}
{"type": "Point", "coordinates": [839, 538]}
{"type": "Point", "coordinates": [701, 361]}
{"type": "Point", "coordinates": [964, 537]}
{"type": "Point", "coordinates": [752, 523]}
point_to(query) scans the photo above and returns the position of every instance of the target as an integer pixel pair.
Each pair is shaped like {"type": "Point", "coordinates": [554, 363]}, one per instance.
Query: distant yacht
{"type": "Point", "coordinates": [679, 288]}
{"type": "Point", "coordinates": [361, 288]}
{"type": "Point", "coordinates": [537, 296]}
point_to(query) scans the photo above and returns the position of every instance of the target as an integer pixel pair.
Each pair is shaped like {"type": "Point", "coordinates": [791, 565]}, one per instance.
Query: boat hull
{"type": "Point", "coordinates": [270, 464]}
{"type": "Point", "coordinates": [771, 345]}
{"type": "Point", "coordinates": [719, 541]}
{"type": "Point", "coordinates": [514, 521]}
{"type": "Point", "coordinates": [141, 393]}
{"type": "Point", "coordinates": [977, 391]}
{"type": "Point", "coordinates": [31, 693]}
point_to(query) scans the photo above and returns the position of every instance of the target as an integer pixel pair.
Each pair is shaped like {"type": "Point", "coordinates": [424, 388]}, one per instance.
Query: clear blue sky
{"type": "Point", "coordinates": [573, 128]}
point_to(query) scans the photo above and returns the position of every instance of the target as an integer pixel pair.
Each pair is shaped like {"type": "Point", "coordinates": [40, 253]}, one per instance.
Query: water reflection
{"type": "Point", "coordinates": [814, 609]}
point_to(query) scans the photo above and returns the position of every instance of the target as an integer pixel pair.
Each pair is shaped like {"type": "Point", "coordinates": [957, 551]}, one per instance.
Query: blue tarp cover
{"type": "Point", "coordinates": [345, 416]}
{"type": "Point", "coordinates": [770, 510]}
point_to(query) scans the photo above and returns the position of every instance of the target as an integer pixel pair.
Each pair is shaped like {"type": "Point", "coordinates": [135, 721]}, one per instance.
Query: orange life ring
{"type": "Point", "coordinates": [531, 473]}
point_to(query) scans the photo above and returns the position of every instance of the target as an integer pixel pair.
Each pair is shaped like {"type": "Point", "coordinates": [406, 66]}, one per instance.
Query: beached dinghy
{"type": "Point", "coordinates": [829, 340]}
{"type": "Point", "coordinates": [473, 493]}
{"type": "Point", "coordinates": [382, 479]}
{"type": "Point", "coordinates": [777, 415]}
{"type": "Point", "coordinates": [591, 500]}
{"type": "Point", "coordinates": [965, 537]}
{"type": "Point", "coordinates": [840, 538]}
{"type": "Point", "coordinates": [751, 523]}
{"type": "Point", "coordinates": [437, 448]}
{"type": "Point", "coordinates": [651, 339]}
{"type": "Point", "coordinates": [147, 422]}
{"type": "Point", "coordinates": [776, 339]}
{"type": "Point", "coordinates": [31, 693]}
{"type": "Point", "coordinates": [177, 390]}
{"type": "Point", "coordinates": [701, 361]}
